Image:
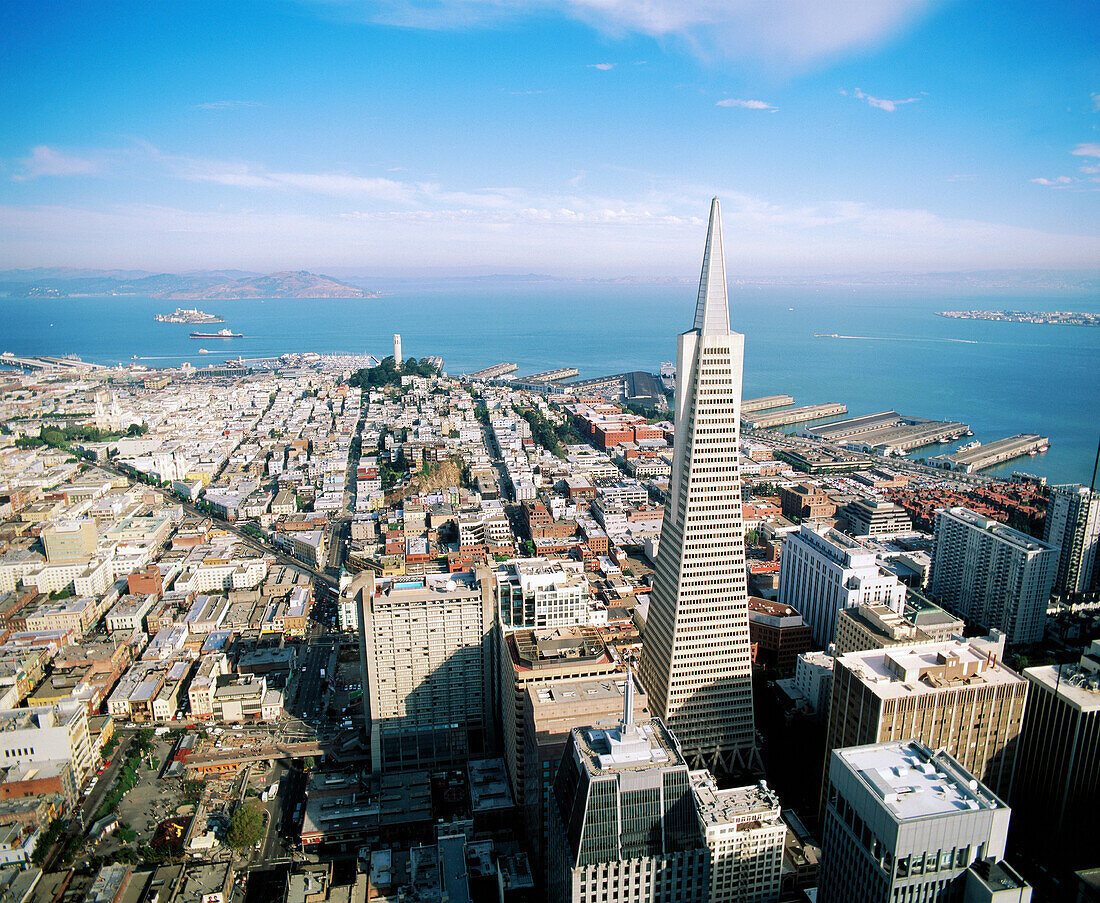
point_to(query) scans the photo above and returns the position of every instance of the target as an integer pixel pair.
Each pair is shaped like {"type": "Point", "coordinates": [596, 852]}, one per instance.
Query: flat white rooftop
{"type": "Point", "coordinates": [912, 782]}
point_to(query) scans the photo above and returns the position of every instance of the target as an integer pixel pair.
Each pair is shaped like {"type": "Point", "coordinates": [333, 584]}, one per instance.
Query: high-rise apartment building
{"type": "Point", "coordinates": [904, 823]}
{"type": "Point", "coordinates": [695, 661]}
{"type": "Point", "coordinates": [991, 574]}
{"type": "Point", "coordinates": [1073, 524]}
{"type": "Point", "coordinates": [956, 695]}
{"type": "Point", "coordinates": [1057, 789]}
{"type": "Point", "coordinates": [623, 821]}
{"type": "Point", "coordinates": [745, 836]}
{"type": "Point", "coordinates": [425, 648]}
{"type": "Point", "coordinates": [824, 570]}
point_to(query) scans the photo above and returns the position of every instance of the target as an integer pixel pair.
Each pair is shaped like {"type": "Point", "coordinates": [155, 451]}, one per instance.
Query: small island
{"type": "Point", "coordinates": [1056, 318]}
{"type": "Point", "coordinates": [188, 315]}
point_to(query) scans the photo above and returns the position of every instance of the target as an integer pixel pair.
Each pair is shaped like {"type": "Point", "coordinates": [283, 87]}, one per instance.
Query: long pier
{"type": "Point", "coordinates": [794, 415]}
{"type": "Point", "coordinates": [887, 432]}
{"type": "Point", "coordinates": [494, 372]}
{"type": "Point", "coordinates": [991, 454]}
{"type": "Point", "coordinates": [551, 376]}
{"type": "Point", "coordinates": [764, 403]}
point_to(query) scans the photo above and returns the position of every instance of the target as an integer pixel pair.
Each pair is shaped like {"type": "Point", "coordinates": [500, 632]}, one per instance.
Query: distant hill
{"type": "Point", "coordinates": [203, 285]}
{"type": "Point", "coordinates": [274, 285]}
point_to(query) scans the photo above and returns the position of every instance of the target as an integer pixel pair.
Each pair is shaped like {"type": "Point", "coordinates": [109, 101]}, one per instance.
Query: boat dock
{"type": "Point", "coordinates": [992, 453]}
{"type": "Point", "coordinates": [764, 403]}
{"type": "Point", "coordinates": [888, 432]}
{"type": "Point", "coordinates": [494, 372]}
{"type": "Point", "coordinates": [793, 415]}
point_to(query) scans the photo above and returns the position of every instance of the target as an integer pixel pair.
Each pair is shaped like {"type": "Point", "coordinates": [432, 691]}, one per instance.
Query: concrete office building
{"type": "Point", "coordinates": [530, 657]}
{"type": "Point", "coordinates": [879, 626]}
{"type": "Point", "coordinates": [992, 575]}
{"type": "Point", "coordinates": [905, 824]}
{"type": "Point", "coordinates": [425, 648]}
{"type": "Point", "coordinates": [745, 836]}
{"type": "Point", "coordinates": [695, 661]}
{"type": "Point", "coordinates": [70, 540]}
{"type": "Point", "coordinates": [876, 517]}
{"type": "Point", "coordinates": [957, 696]}
{"type": "Point", "coordinates": [622, 815]}
{"type": "Point", "coordinates": [823, 571]}
{"type": "Point", "coordinates": [1073, 524]}
{"type": "Point", "coordinates": [550, 712]}
{"type": "Point", "coordinates": [46, 733]}
{"type": "Point", "coordinates": [1057, 789]}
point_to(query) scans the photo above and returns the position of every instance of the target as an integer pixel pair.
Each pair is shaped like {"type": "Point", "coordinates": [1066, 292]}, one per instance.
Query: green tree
{"type": "Point", "coordinates": [246, 827]}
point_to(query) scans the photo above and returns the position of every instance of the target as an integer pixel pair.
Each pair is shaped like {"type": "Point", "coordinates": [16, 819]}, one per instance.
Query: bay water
{"type": "Point", "coordinates": [891, 350]}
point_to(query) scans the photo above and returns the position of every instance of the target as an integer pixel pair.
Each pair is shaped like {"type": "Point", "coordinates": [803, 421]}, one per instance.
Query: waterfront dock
{"type": "Point", "coordinates": [551, 376]}
{"type": "Point", "coordinates": [888, 432]}
{"type": "Point", "coordinates": [991, 454]}
{"type": "Point", "coordinates": [494, 372]}
{"type": "Point", "coordinates": [793, 415]}
{"type": "Point", "coordinates": [764, 403]}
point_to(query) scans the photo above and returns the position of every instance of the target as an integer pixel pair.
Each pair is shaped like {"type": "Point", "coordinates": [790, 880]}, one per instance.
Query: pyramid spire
{"type": "Point", "coordinates": [712, 315]}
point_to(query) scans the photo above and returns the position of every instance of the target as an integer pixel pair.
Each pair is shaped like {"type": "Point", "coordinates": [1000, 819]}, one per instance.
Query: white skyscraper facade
{"type": "Point", "coordinates": [1073, 524]}
{"type": "Point", "coordinates": [823, 571]}
{"type": "Point", "coordinates": [695, 661]}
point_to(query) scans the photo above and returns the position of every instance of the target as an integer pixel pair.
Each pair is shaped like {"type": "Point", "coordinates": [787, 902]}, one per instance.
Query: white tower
{"type": "Point", "coordinates": [695, 662]}
{"type": "Point", "coordinates": [397, 358]}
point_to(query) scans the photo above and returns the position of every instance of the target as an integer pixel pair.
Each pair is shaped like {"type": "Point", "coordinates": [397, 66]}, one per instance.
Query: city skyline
{"type": "Point", "coordinates": [576, 138]}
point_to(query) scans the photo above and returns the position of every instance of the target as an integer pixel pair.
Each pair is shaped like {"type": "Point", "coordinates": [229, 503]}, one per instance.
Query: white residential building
{"type": "Point", "coordinates": [823, 570]}
{"type": "Point", "coordinates": [992, 575]}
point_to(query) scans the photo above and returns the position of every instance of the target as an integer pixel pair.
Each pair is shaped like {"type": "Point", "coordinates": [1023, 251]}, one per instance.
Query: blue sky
{"type": "Point", "coordinates": [572, 137]}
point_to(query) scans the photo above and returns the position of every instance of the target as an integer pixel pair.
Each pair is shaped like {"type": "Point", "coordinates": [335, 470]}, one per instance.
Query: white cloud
{"type": "Point", "coordinates": [45, 161]}
{"type": "Point", "coordinates": [605, 67]}
{"type": "Point", "coordinates": [1086, 150]}
{"type": "Point", "coordinates": [789, 34]}
{"type": "Point", "coordinates": [1058, 180]}
{"type": "Point", "coordinates": [226, 105]}
{"type": "Point", "coordinates": [880, 103]}
{"type": "Point", "coordinates": [746, 104]}
{"type": "Point", "coordinates": [1096, 101]}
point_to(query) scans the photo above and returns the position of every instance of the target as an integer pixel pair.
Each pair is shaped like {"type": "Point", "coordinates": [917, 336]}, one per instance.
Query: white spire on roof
{"type": "Point", "coordinates": [712, 316]}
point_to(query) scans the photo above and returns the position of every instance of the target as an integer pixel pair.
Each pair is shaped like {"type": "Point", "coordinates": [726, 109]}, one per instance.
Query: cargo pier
{"type": "Point", "coordinates": [992, 453]}
{"type": "Point", "coordinates": [888, 432]}
{"type": "Point", "coordinates": [793, 415]}
{"type": "Point", "coordinates": [494, 372]}
{"type": "Point", "coordinates": [765, 402]}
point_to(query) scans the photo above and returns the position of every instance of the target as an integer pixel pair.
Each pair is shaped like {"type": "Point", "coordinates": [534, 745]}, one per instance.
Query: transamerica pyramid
{"type": "Point", "coordinates": [695, 662]}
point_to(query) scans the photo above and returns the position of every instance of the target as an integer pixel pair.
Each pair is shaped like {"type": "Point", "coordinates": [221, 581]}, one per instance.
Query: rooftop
{"type": "Point", "coordinates": [751, 804]}
{"type": "Point", "coordinates": [913, 782]}
{"type": "Point", "coordinates": [919, 668]}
